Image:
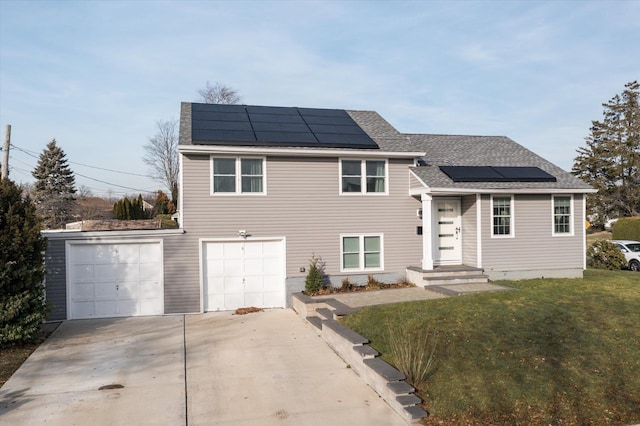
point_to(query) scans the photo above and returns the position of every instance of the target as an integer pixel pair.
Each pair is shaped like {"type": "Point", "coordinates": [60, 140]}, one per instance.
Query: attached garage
{"type": "Point", "coordinates": [114, 279]}
{"type": "Point", "coordinates": [243, 273]}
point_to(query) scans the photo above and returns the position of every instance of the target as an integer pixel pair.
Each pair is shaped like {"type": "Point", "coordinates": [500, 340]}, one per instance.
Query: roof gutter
{"type": "Point", "coordinates": [301, 152]}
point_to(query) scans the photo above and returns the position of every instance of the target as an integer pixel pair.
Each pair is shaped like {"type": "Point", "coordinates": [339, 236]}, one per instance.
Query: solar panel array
{"type": "Point", "coordinates": [496, 174]}
{"type": "Point", "coordinates": [244, 125]}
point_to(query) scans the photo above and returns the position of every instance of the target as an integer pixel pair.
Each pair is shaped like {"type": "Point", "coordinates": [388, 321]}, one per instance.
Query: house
{"type": "Point", "coordinates": [263, 189]}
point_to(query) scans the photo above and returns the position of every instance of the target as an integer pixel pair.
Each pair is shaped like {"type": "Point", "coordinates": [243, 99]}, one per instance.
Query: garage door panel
{"type": "Point", "coordinates": [83, 273]}
{"type": "Point", "coordinates": [272, 299]}
{"type": "Point", "coordinates": [253, 283]}
{"type": "Point", "coordinates": [84, 291]}
{"type": "Point", "coordinates": [129, 290]}
{"type": "Point", "coordinates": [233, 251]}
{"type": "Point", "coordinates": [234, 301]}
{"type": "Point", "coordinates": [106, 291]}
{"type": "Point", "coordinates": [84, 309]}
{"type": "Point", "coordinates": [150, 271]}
{"type": "Point", "coordinates": [235, 272]}
{"type": "Point", "coordinates": [84, 255]}
{"type": "Point", "coordinates": [150, 253]}
{"type": "Point", "coordinates": [253, 250]}
{"type": "Point", "coordinates": [104, 254]}
{"type": "Point", "coordinates": [216, 285]}
{"type": "Point", "coordinates": [128, 272]}
{"type": "Point", "coordinates": [233, 267]}
{"type": "Point", "coordinates": [253, 266]}
{"type": "Point", "coordinates": [128, 307]}
{"type": "Point", "coordinates": [105, 307]}
{"type": "Point", "coordinates": [151, 290]}
{"type": "Point", "coordinates": [105, 272]}
{"type": "Point", "coordinates": [128, 253]}
{"type": "Point", "coordinates": [233, 285]}
{"type": "Point", "coordinates": [254, 299]}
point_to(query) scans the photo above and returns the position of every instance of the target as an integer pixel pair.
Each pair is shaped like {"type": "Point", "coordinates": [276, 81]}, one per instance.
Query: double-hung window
{"type": "Point", "coordinates": [562, 207]}
{"type": "Point", "coordinates": [363, 176]}
{"type": "Point", "coordinates": [502, 216]}
{"type": "Point", "coordinates": [238, 175]}
{"type": "Point", "coordinates": [361, 252]}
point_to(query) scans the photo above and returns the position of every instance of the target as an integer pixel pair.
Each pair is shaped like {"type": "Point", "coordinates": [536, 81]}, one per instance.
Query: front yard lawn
{"type": "Point", "coordinates": [556, 351]}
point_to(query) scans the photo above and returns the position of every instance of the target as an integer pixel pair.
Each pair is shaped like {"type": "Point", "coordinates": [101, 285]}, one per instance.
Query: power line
{"type": "Point", "coordinates": [35, 155]}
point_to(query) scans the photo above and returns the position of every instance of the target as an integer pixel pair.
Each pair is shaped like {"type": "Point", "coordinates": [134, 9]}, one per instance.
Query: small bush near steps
{"type": "Point", "coordinates": [315, 277]}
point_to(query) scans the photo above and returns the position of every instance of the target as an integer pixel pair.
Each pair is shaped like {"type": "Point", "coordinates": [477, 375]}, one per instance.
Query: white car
{"type": "Point", "coordinates": [631, 250]}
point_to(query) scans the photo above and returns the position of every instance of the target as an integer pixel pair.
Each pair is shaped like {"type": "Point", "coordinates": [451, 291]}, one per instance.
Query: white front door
{"type": "Point", "coordinates": [240, 274]}
{"type": "Point", "coordinates": [447, 233]}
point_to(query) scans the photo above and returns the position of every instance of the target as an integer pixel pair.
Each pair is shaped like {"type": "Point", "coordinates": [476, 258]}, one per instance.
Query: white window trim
{"type": "Point", "coordinates": [512, 225]}
{"type": "Point", "coordinates": [238, 191]}
{"type": "Point", "coordinates": [363, 177]}
{"type": "Point", "coordinates": [571, 216]}
{"type": "Point", "coordinates": [361, 253]}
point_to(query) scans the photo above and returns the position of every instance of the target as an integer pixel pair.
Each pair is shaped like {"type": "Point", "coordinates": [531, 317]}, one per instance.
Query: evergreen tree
{"type": "Point", "coordinates": [54, 187]}
{"type": "Point", "coordinates": [126, 209]}
{"type": "Point", "coordinates": [163, 204]}
{"type": "Point", "coordinates": [611, 160]}
{"type": "Point", "coordinates": [22, 301]}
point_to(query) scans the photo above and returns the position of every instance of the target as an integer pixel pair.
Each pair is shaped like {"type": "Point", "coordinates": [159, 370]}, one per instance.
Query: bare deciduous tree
{"type": "Point", "coordinates": [219, 94]}
{"type": "Point", "coordinates": [161, 154]}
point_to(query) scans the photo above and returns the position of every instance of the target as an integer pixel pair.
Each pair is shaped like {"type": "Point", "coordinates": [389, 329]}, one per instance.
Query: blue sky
{"type": "Point", "coordinates": [97, 75]}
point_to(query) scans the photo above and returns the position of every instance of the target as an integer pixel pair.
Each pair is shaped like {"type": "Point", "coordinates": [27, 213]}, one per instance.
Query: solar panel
{"type": "Point", "coordinates": [525, 174]}
{"type": "Point", "coordinates": [217, 108]}
{"type": "Point", "coordinates": [275, 118]}
{"type": "Point", "coordinates": [287, 137]}
{"type": "Point", "coordinates": [323, 112]}
{"type": "Point", "coordinates": [496, 174]}
{"type": "Point", "coordinates": [345, 130]}
{"type": "Point", "coordinates": [222, 125]}
{"type": "Point", "coordinates": [471, 173]}
{"type": "Point", "coordinates": [218, 116]}
{"type": "Point", "coordinates": [271, 110]}
{"type": "Point", "coordinates": [276, 126]}
{"type": "Point", "coordinates": [335, 121]}
{"type": "Point", "coordinates": [281, 127]}
{"type": "Point", "coordinates": [211, 137]}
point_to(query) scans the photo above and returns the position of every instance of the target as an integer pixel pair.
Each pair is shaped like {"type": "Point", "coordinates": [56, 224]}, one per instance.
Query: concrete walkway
{"type": "Point", "coordinates": [266, 368]}
{"type": "Point", "coordinates": [360, 299]}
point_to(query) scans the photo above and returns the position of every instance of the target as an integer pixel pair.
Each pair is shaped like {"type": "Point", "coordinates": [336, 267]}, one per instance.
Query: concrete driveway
{"type": "Point", "coordinates": [266, 368]}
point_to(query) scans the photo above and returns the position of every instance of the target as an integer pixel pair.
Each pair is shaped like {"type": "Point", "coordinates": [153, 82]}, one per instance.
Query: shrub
{"type": "Point", "coordinates": [373, 283]}
{"type": "Point", "coordinates": [605, 255]}
{"type": "Point", "coordinates": [315, 277]}
{"type": "Point", "coordinates": [166, 222]}
{"type": "Point", "coordinates": [412, 352]}
{"type": "Point", "coordinates": [22, 301]}
{"type": "Point", "coordinates": [627, 228]}
{"type": "Point", "coordinates": [346, 284]}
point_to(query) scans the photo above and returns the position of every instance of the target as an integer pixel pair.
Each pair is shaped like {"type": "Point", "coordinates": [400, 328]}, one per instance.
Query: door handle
{"type": "Point", "coordinates": [458, 229]}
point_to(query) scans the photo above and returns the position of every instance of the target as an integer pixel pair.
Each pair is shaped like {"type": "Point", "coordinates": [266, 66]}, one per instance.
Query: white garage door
{"type": "Point", "coordinates": [114, 280]}
{"type": "Point", "coordinates": [241, 274]}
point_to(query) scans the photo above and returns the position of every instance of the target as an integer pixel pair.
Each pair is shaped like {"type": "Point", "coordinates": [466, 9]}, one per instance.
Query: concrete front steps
{"type": "Point", "coordinates": [354, 349]}
{"type": "Point", "coordinates": [446, 275]}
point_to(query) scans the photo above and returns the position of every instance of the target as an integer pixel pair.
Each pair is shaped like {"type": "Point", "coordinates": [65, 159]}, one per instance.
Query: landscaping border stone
{"type": "Point", "coordinates": [354, 349]}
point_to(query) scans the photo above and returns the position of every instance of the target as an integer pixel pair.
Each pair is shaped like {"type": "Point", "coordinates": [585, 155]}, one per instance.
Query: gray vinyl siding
{"type": "Point", "coordinates": [56, 279]}
{"type": "Point", "coordinates": [303, 205]}
{"type": "Point", "coordinates": [533, 247]}
{"type": "Point", "coordinates": [469, 230]}
{"type": "Point", "coordinates": [181, 270]}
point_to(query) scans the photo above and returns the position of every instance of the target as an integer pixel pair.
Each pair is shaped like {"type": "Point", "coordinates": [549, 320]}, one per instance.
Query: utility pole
{"type": "Point", "coordinates": [5, 152]}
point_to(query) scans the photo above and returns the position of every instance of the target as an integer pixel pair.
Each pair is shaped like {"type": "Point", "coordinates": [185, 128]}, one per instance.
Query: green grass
{"type": "Point", "coordinates": [556, 351]}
